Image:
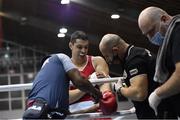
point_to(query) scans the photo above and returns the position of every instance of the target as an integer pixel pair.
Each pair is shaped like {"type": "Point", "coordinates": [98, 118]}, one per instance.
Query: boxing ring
{"type": "Point", "coordinates": [121, 114]}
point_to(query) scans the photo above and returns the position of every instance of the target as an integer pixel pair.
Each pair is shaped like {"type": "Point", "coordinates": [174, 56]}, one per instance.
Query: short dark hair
{"type": "Point", "coordinates": [78, 35]}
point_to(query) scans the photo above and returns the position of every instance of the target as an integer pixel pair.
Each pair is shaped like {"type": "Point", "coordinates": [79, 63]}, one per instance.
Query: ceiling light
{"type": "Point", "coordinates": [6, 56]}
{"type": "Point", "coordinates": [60, 35]}
{"type": "Point", "coordinates": [115, 16]}
{"type": "Point", "coordinates": [7, 48]}
{"type": "Point", "coordinates": [63, 30]}
{"type": "Point", "coordinates": [65, 1]}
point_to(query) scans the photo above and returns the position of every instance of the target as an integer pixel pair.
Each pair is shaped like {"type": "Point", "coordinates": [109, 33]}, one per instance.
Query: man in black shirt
{"type": "Point", "coordinates": [164, 30]}
{"type": "Point", "coordinates": [138, 70]}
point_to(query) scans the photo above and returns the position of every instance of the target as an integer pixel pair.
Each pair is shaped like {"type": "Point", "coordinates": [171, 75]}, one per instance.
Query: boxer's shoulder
{"type": "Point", "coordinates": [97, 59]}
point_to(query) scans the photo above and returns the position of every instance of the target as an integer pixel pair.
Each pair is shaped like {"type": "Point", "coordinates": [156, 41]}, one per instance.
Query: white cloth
{"type": "Point", "coordinates": [81, 106]}
{"type": "Point", "coordinates": [93, 76]}
{"type": "Point", "coordinates": [117, 85]}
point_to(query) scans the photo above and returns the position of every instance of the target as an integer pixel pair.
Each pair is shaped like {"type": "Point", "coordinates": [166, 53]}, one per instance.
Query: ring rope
{"type": "Point", "coordinates": [28, 86]}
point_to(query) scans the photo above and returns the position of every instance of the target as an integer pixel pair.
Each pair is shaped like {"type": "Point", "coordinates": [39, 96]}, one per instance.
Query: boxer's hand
{"type": "Point", "coordinates": [118, 85]}
{"type": "Point", "coordinates": [108, 104]}
{"type": "Point", "coordinates": [154, 101]}
{"type": "Point", "coordinates": [96, 95]}
{"type": "Point", "coordinates": [100, 75]}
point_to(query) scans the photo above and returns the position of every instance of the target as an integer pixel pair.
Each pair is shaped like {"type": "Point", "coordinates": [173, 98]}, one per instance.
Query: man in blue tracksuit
{"type": "Point", "coordinates": [49, 97]}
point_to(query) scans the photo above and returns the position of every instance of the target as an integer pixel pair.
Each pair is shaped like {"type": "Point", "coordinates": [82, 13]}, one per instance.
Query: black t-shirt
{"type": "Point", "coordinates": [139, 61]}
{"type": "Point", "coordinates": [173, 57]}
{"type": "Point", "coordinates": [173, 50]}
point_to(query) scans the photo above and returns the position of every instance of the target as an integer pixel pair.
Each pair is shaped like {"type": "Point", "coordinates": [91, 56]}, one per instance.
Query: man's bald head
{"type": "Point", "coordinates": [110, 40]}
{"type": "Point", "coordinates": [150, 19]}
{"type": "Point", "coordinates": [151, 14]}
{"type": "Point", "coordinates": [113, 48]}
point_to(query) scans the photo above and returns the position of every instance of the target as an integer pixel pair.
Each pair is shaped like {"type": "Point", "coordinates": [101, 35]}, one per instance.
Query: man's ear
{"type": "Point", "coordinates": [164, 18]}
{"type": "Point", "coordinates": [70, 45]}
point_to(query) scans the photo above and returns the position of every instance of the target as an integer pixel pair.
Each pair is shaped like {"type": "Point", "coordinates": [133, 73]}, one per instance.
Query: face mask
{"type": "Point", "coordinates": [113, 59]}
{"type": "Point", "coordinates": [116, 60]}
{"type": "Point", "coordinates": [157, 39]}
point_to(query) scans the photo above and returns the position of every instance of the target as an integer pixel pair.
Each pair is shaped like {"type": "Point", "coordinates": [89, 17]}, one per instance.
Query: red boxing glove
{"type": "Point", "coordinates": [108, 104]}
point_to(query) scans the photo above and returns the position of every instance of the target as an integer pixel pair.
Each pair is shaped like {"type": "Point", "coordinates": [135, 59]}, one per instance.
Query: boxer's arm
{"type": "Point", "coordinates": [75, 95]}
{"type": "Point", "coordinates": [101, 66]}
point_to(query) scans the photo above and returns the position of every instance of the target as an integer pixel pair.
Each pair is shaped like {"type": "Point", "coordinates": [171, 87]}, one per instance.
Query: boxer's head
{"type": "Point", "coordinates": [153, 23]}
{"type": "Point", "coordinates": [113, 48]}
{"type": "Point", "coordinates": [79, 45]}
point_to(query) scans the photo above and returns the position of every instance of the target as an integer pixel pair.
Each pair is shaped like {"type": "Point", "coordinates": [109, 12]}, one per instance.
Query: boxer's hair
{"type": "Point", "coordinates": [78, 35]}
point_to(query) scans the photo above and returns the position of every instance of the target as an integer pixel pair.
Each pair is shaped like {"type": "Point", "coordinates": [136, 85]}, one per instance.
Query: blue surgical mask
{"type": "Point", "coordinates": [157, 39]}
